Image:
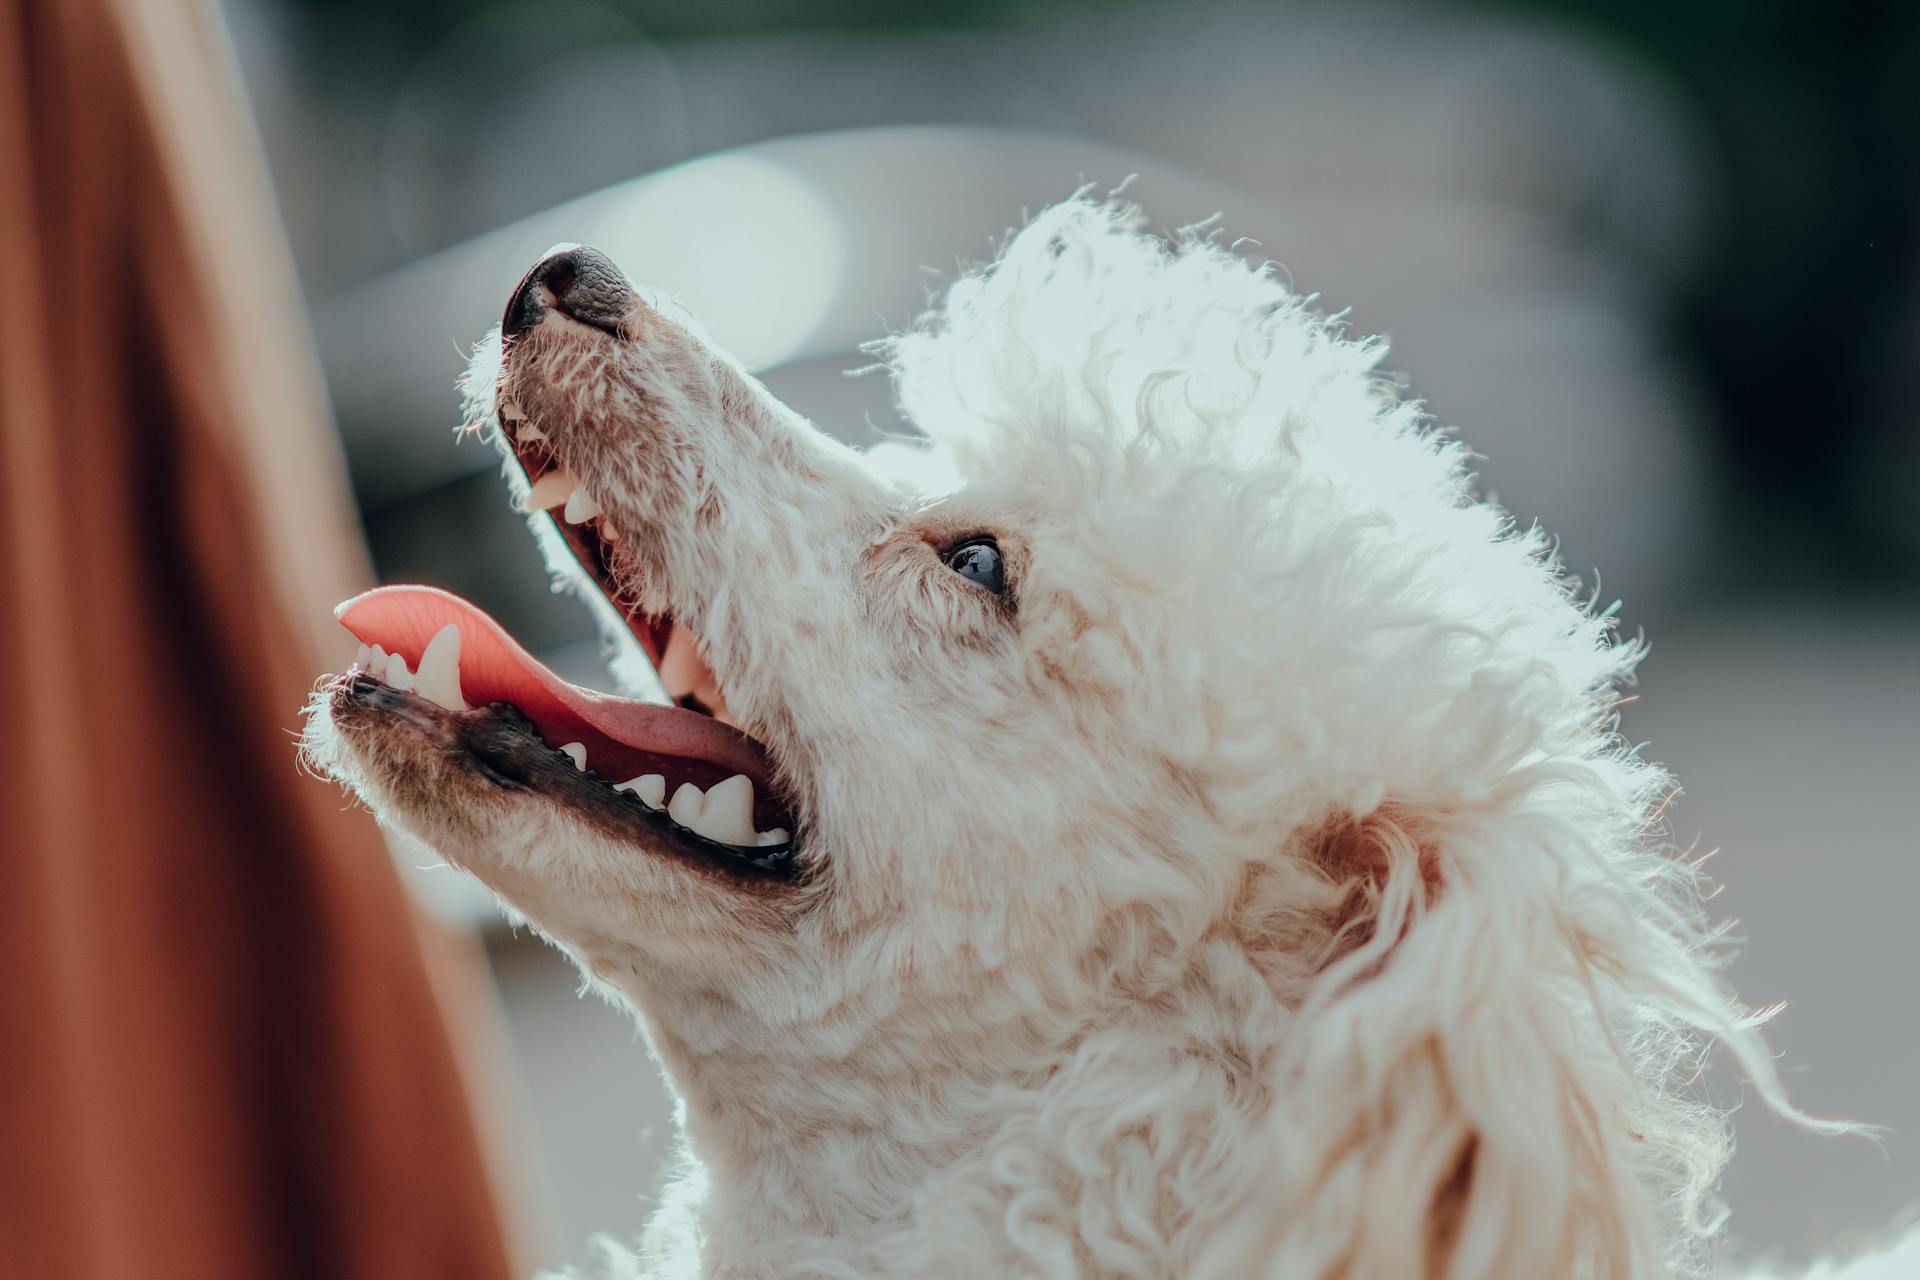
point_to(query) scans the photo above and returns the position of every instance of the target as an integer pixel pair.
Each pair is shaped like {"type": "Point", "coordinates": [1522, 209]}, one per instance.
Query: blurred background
{"type": "Point", "coordinates": [1656, 262]}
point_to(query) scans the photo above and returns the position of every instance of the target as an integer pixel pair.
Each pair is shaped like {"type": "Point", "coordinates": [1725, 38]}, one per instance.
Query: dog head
{"type": "Point", "coordinates": [1159, 819]}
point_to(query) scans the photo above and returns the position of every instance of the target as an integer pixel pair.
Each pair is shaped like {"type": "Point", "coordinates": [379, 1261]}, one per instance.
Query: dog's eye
{"type": "Point", "coordinates": [978, 560]}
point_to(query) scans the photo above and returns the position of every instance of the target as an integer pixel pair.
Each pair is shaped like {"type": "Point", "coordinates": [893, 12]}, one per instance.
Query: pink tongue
{"type": "Point", "coordinates": [623, 738]}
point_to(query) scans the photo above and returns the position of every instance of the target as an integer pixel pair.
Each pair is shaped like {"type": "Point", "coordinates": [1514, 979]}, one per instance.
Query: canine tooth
{"type": "Point", "coordinates": [650, 787]}
{"type": "Point", "coordinates": [397, 674]}
{"type": "Point", "coordinates": [531, 433]}
{"type": "Point", "coordinates": [609, 534]}
{"type": "Point", "coordinates": [576, 752]}
{"type": "Point", "coordinates": [686, 805]}
{"type": "Point", "coordinates": [767, 839]}
{"type": "Point", "coordinates": [363, 658]}
{"type": "Point", "coordinates": [549, 491]}
{"type": "Point", "coordinates": [378, 660]}
{"type": "Point", "coordinates": [727, 815]}
{"type": "Point", "coordinates": [580, 508]}
{"type": "Point", "coordinates": [511, 411]}
{"type": "Point", "coordinates": [437, 678]}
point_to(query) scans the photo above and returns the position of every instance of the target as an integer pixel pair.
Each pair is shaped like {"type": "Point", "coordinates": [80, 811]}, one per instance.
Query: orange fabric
{"type": "Point", "coordinates": [220, 1055]}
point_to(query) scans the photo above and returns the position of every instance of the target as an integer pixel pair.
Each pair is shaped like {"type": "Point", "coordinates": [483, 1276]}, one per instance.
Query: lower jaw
{"type": "Point", "coordinates": [503, 749]}
{"type": "Point", "coordinates": [712, 778]}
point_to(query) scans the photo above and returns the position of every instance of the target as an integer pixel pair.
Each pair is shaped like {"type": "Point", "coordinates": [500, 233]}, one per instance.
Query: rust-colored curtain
{"type": "Point", "coordinates": [220, 1051]}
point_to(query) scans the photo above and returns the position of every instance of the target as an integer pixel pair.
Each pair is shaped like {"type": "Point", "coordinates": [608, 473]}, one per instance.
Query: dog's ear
{"type": "Point", "coordinates": [1489, 1049]}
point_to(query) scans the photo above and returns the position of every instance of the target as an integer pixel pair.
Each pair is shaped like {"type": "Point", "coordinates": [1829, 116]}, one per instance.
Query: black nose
{"type": "Point", "coordinates": [575, 281]}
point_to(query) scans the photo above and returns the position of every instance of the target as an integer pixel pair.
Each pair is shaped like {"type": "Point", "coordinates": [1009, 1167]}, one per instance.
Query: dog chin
{"type": "Point", "coordinates": [408, 770]}
{"type": "Point", "coordinates": [619, 892]}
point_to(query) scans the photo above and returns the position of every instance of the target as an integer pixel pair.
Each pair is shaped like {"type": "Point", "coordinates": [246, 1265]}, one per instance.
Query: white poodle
{"type": "Point", "coordinates": [1163, 824]}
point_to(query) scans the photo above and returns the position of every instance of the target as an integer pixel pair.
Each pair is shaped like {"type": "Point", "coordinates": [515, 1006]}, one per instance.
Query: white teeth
{"type": "Point", "coordinates": [608, 534]}
{"type": "Point", "coordinates": [580, 508]}
{"type": "Point", "coordinates": [686, 806]}
{"type": "Point", "coordinates": [531, 433]}
{"type": "Point", "coordinates": [576, 752]}
{"type": "Point", "coordinates": [549, 491]}
{"type": "Point", "coordinates": [723, 814]}
{"type": "Point", "coordinates": [377, 662]}
{"type": "Point", "coordinates": [650, 787]}
{"type": "Point", "coordinates": [727, 815]}
{"type": "Point", "coordinates": [396, 673]}
{"type": "Point", "coordinates": [511, 411]}
{"type": "Point", "coordinates": [363, 658]}
{"type": "Point", "coordinates": [437, 678]}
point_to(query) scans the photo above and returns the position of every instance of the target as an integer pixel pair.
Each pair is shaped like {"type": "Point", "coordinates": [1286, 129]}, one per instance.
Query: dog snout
{"type": "Point", "coordinates": [576, 281]}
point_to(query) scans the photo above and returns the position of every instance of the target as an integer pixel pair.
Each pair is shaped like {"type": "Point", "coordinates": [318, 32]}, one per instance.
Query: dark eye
{"type": "Point", "coordinates": [978, 560]}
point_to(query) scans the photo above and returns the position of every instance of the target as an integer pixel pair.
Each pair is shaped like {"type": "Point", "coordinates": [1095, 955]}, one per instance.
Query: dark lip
{"type": "Point", "coordinates": [508, 752]}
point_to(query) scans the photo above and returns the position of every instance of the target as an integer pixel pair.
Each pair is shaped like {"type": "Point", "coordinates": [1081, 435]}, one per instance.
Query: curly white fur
{"type": "Point", "coordinates": [1490, 1079]}
{"type": "Point", "coordinates": [1267, 893]}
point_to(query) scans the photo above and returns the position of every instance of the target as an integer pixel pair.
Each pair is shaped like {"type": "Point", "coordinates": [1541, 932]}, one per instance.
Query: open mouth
{"type": "Point", "coordinates": [682, 772]}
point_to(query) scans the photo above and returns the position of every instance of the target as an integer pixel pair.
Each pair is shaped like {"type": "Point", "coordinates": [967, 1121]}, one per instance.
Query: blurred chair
{"type": "Point", "coordinates": [220, 1039]}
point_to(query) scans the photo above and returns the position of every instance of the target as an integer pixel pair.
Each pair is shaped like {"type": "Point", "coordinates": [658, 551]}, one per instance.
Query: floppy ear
{"type": "Point", "coordinates": [1484, 1077]}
